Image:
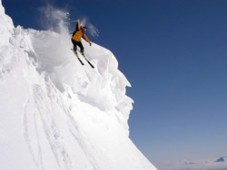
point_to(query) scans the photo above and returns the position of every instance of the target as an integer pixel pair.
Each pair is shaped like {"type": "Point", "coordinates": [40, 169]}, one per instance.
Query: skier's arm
{"type": "Point", "coordinates": [78, 25]}
{"type": "Point", "coordinates": [86, 39]}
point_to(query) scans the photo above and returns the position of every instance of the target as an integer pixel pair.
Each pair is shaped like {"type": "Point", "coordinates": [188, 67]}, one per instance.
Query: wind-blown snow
{"type": "Point", "coordinates": [56, 114]}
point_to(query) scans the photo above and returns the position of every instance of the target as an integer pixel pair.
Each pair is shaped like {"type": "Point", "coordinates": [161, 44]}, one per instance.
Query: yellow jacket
{"type": "Point", "coordinates": [79, 33]}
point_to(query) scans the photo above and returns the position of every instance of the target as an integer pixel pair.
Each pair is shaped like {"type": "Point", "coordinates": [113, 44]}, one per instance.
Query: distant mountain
{"type": "Point", "coordinates": [221, 159]}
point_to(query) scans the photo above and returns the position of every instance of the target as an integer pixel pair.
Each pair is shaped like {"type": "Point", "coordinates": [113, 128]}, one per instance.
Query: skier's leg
{"type": "Point", "coordinates": [74, 46]}
{"type": "Point", "coordinates": [81, 47]}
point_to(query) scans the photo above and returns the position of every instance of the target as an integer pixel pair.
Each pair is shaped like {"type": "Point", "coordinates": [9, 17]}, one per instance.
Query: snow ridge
{"type": "Point", "coordinates": [56, 114]}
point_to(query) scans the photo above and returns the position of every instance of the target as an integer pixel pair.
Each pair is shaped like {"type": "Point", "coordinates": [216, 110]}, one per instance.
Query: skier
{"type": "Point", "coordinates": [76, 38]}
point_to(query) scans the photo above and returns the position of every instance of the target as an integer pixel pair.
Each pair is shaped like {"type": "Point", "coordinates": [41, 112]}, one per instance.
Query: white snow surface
{"type": "Point", "coordinates": [56, 114]}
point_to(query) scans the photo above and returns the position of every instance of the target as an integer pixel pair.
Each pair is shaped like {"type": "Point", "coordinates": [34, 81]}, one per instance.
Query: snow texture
{"type": "Point", "coordinates": [56, 114]}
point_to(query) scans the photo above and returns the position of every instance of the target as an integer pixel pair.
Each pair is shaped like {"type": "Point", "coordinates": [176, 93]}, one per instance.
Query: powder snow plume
{"type": "Point", "coordinates": [94, 32]}
{"type": "Point", "coordinates": [54, 19]}
{"type": "Point", "coordinates": [58, 20]}
{"type": "Point", "coordinates": [56, 114]}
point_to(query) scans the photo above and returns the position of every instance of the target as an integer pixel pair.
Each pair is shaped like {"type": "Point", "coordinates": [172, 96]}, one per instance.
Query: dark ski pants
{"type": "Point", "coordinates": [79, 44]}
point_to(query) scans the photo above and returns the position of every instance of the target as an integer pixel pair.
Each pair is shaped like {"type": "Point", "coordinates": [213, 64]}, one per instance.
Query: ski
{"type": "Point", "coordinates": [81, 62]}
{"type": "Point", "coordinates": [92, 66]}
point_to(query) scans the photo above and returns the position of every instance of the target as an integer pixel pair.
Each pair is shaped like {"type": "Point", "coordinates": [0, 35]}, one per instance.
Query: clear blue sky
{"type": "Point", "coordinates": [174, 53]}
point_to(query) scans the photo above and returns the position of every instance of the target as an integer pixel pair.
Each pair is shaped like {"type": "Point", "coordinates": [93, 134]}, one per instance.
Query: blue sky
{"type": "Point", "coordinates": [174, 54]}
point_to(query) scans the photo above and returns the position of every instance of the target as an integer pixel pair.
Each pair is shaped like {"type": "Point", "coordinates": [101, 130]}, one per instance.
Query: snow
{"type": "Point", "coordinates": [56, 114]}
